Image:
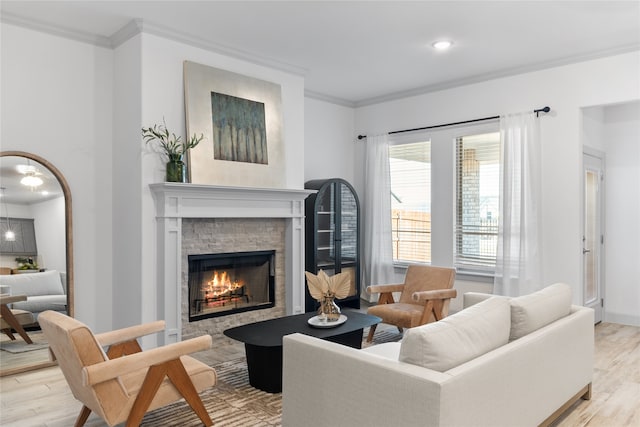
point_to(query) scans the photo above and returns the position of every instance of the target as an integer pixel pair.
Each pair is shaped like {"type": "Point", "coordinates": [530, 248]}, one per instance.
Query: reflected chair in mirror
{"type": "Point", "coordinates": [424, 298]}
{"type": "Point", "coordinates": [124, 383]}
{"type": "Point", "coordinates": [13, 319]}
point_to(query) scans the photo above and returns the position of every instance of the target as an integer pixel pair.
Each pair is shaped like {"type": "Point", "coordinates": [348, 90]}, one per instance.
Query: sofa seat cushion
{"type": "Point", "coordinates": [38, 304]}
{"type": "Point", "coordinates": [533, 311]}
{"type": "Point", "coordinates": [458, 338]}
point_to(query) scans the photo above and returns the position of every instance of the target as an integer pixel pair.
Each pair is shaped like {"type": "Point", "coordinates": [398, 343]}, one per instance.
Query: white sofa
{"type": "Point", "coordinates": [537, 368]}
{"type": "Point", "coordinates": [44, 291]}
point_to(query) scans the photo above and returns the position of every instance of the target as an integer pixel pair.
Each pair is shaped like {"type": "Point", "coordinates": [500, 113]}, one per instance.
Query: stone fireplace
{"type": "Point", "coordinates": [202, 219]}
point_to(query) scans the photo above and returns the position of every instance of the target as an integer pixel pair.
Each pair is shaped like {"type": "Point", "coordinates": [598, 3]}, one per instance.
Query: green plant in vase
{"type": "Point", "coordinates": [172, 146]}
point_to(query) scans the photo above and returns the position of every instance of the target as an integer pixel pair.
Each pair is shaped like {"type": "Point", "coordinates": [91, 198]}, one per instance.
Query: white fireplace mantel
{"type": "Point", "coordinates": [175, 201]}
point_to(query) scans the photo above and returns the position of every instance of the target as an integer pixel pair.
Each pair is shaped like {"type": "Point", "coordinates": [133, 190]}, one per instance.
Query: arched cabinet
{"type": "Point", "coordinates": [332, 227]}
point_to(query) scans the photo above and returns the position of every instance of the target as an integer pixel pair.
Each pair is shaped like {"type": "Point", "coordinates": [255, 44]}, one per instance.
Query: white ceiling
{"type": "Point", "coordinates": [357, 53]}
{"type": "Point", "coordinates": [13, 192]}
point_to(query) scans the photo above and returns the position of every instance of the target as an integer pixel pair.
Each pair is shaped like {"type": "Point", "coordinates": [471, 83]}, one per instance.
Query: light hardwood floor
{"type": "Point", "coordinates": [42, 398]}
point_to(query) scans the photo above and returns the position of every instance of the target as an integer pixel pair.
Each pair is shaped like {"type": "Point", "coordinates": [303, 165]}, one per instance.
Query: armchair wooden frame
{"type": "Point", "coordinates": [415, 307]}
{"type": "Point", "coordinates": [9, 316]}
{"type": "Point", "coordinates": [125, 358]}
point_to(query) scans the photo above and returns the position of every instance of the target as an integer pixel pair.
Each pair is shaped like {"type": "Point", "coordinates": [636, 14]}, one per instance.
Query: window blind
{"type": "Point", "coordinates": [477, 201]}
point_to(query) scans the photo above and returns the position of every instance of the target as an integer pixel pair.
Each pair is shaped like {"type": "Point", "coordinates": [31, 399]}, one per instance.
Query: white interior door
{"type": "Point", "coordinates": [593, 235]}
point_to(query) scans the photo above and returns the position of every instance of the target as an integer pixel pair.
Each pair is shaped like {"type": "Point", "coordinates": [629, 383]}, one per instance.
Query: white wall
{"type": "Point", "coordinates": [565, 89]}
{"type": "Point", "coordinates": [49, 223]}
{"type": "Point", "coordinates": [329, 141]}
{"type": "Point", "coordinates": [57, 103]}
{"type": "Point", "coordinates": [622, 213]}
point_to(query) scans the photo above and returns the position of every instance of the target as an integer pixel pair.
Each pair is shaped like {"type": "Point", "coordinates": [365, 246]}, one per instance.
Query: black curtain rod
{"type": "Point", "coordinates": [537, 111]}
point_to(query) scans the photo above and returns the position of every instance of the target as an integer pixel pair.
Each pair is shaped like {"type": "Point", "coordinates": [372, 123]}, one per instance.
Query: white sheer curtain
{"type": "Point", "coordinates": [378, 258]}
{"type": "Point", "coordinates": [518, 263]}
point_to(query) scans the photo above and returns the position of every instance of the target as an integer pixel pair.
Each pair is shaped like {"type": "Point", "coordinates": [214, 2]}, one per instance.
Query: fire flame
{"type": "Point", "coordinates": [221, 284]}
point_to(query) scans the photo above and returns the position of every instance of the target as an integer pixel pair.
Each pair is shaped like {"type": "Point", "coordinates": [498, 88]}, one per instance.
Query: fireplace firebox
{"type": "Point", "coordinates": [226, 283]}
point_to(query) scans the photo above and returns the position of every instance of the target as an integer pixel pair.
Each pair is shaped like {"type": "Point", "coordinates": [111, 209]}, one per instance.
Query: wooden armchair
{"type": "Point", "coordinates": [13, 319]}
{"type": "Point", "coordinates": [424, 298]}
{"type": "Point", "coordinates": [126, 382]}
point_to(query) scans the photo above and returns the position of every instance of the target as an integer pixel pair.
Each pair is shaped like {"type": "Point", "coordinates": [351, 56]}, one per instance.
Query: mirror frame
{"type": "Point", "coordinates": [68, 241]}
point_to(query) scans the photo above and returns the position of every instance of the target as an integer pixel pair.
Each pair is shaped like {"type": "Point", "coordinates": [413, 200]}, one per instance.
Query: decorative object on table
{"type": "Point", "coordinates": [26, 264]}
{"type": "Point", "coordinates": [325, 289]}
{"type": "Point", "coordinates": [242, 118]}
{"type": "Point", "coordinates": [172, 147]}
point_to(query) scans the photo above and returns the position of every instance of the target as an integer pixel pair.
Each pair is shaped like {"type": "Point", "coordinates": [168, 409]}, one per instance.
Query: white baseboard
{"type": "Point", "coordinates": [624, 319]}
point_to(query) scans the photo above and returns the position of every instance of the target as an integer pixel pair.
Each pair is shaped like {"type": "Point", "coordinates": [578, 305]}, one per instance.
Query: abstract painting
{"type": "Point", "coordinates": [239, 131]}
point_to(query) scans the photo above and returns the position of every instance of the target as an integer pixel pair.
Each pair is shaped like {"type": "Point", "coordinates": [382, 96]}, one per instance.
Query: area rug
{"type": "Point", "coordinates": [20, 346]}
{"type": "Point", "coordinates": [233, 402]}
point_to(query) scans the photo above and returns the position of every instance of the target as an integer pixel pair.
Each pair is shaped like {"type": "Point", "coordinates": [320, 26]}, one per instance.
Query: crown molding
{"type": "Point", "coordinates": [328, 98]}
{"type": "Point", "coordinates": [97, 40]}
{"type": "Point", "coordinates": [138, 26]}
{"type": "Point", "coordinates": [130, 30]}
{"type": "Point", "coordinates": [509, 72]}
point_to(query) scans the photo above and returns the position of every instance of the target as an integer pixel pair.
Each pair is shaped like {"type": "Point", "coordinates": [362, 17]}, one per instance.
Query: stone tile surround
{"type": "Point", "coordinates": [222, 235]}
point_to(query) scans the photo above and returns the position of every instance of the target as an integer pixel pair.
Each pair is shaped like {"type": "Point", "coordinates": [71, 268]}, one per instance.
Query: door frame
{"type": "Point", "coordinates": [600, 157]}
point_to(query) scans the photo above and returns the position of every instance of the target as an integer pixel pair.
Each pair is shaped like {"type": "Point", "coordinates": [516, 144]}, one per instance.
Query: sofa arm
{"type": "Point", "coordinates": [328, 384]}
{"type": "Point", "coordinates": [472, 298]}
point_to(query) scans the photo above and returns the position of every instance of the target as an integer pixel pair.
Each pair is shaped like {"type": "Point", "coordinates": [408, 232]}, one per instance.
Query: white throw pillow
{"type": "Point", "coordinates": [460, 337]}
{"type": "Point", "coordinates": [533, 311]}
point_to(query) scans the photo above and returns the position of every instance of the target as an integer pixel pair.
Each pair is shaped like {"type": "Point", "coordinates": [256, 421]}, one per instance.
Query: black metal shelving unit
{"type": "Point", "coordinates": [332, 228]}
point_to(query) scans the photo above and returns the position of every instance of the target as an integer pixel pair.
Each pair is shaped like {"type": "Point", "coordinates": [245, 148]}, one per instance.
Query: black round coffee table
{"type": "Point", "coordinates": [263, 342]}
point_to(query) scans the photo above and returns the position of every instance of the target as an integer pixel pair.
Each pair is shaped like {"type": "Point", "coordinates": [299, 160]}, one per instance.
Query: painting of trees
{"type": "Point", "coordinates": [239, 131]}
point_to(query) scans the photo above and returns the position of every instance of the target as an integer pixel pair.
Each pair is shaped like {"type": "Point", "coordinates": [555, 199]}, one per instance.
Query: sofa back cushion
{"type": "Point", "coordinates": [533, 311]}
{"type": "Point", "coordinates": [458, 338]}
{"type": "Point", "coordinates": [33, 284]}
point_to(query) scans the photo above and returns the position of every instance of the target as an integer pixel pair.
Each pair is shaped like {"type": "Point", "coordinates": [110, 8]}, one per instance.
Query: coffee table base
{"type": "Point", "coordinates": [265, 363]}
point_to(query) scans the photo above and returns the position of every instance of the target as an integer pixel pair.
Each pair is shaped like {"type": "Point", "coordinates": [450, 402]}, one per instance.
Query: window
{"type": "Point", "coordinates": [477, 200]}
{"type": "Point", "coordinates": [445, 197]}
{"type": "Point", "coordinates": [410, 170]}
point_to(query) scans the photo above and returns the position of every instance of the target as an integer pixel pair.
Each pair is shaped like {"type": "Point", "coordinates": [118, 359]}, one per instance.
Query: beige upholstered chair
{"type": "Point", "coordinates": [424, 298]}
{"type": "Point", "coordinates": [126, 382]}
{"type": "Point", "coordinates": [13, 319]}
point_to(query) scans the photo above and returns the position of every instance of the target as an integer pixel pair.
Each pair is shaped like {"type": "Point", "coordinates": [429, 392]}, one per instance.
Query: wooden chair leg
{"type": "Point", "coordinates": [82, 417]}
{"type": "Point", "coordinates": [8, 333]}
{"type": "Point", "coordinates": [174, 369]}
{"type": "Point", "coordinates": [153, 379]}
{"type": "Point", "coordinates": [372, 330]}
{"type": "Point", "coordinates": [180, 379]}
{"type": "Point", "coordinates": [8, 316]}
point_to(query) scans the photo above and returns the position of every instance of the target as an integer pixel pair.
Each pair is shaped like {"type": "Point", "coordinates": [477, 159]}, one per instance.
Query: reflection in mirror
{"type": "Point", "coordinates": [36, 265]}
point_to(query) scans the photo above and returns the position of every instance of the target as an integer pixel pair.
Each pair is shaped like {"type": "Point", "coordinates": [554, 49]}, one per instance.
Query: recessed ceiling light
{"type": "Point", "coordinates": [442, 44]}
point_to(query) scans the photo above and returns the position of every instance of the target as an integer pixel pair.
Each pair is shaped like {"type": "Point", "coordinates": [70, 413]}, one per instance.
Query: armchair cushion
{"type": "Point", "coordinates": [458, 338]}
{"type": "Point", "coordinates": [533, 311]}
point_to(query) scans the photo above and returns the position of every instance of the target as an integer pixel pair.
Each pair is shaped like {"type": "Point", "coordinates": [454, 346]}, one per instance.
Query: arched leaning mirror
{"type": "Point", "coordinates": [36, 257]}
